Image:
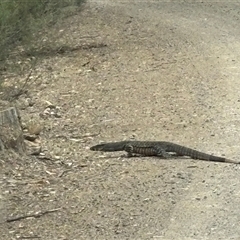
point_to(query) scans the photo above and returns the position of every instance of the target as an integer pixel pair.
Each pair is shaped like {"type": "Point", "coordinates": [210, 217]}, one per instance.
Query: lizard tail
{"type": "Point", "coordinates": [185, 151]}
{"type": "Point", "coordinates": [232, 161]}
{"type": "Point", "coordinates": [221, 159]}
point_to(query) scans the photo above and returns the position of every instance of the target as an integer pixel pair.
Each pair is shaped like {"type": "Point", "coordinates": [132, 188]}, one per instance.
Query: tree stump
{"type": "Point", "coordinates": [11, 135]}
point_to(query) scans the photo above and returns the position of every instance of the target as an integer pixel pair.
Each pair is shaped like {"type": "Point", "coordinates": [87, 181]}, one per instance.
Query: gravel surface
{"type": "Point", "coordinates": [145, 71]}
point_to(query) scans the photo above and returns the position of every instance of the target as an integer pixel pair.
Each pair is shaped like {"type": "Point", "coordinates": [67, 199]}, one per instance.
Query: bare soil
{"type": "Point", "coordinates": [145, 71]}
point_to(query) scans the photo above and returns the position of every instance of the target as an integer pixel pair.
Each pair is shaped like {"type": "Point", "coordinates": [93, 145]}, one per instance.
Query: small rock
{"type": "Point", "coordinates": [33, 148]}
{"type": "Point", "coordinates": [34, 128]}
{"type": "Point", "coordinates": [30, 137]}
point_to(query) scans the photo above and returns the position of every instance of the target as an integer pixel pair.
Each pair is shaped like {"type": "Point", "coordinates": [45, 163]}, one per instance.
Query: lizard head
{"type": "Point", "coordinates": [99, 147]}
{"type": "Point", "coordinates": [109, 147]}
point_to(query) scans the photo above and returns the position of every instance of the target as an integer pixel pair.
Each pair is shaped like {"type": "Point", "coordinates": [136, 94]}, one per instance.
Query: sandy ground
{"type": "Point", "coordinates": [157, 71]}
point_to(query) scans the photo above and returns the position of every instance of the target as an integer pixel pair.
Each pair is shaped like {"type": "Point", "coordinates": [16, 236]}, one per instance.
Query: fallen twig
{"type": "Point", "coordinates": [26, 83]}
{"type": "Point", "coordinates": [28, 237]}
{"type": "Point", "coordinates": [36, 215]}
{"type": "Point", "coordinates": [63, 172]}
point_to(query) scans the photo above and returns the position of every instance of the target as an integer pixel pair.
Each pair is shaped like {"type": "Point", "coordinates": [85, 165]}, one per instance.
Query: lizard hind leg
{"type": "Point", "coordinates": [160, 152]}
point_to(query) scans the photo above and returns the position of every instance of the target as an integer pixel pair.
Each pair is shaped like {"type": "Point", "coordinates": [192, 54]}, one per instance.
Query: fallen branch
{"type": "Point", "coordinates": [36, 215]}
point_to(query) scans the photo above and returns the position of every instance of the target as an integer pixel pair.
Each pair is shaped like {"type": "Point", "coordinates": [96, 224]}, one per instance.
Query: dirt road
{"type": "Point", "coordinates": [158, 71]}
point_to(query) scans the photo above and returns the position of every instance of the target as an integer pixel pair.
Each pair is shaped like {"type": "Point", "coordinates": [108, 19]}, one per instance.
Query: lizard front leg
{"type": "Point", "coordinates": [161, 152]}
{"type": "Point", "coordinates": [129, 149]}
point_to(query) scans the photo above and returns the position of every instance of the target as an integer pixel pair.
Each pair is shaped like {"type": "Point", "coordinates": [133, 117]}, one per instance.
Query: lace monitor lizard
{"type": "Point", "coordinates": [158, 148]}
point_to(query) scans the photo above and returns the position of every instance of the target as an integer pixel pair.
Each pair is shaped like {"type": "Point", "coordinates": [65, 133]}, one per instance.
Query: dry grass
{"type": "Point", "coordinates": [21, 23]}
